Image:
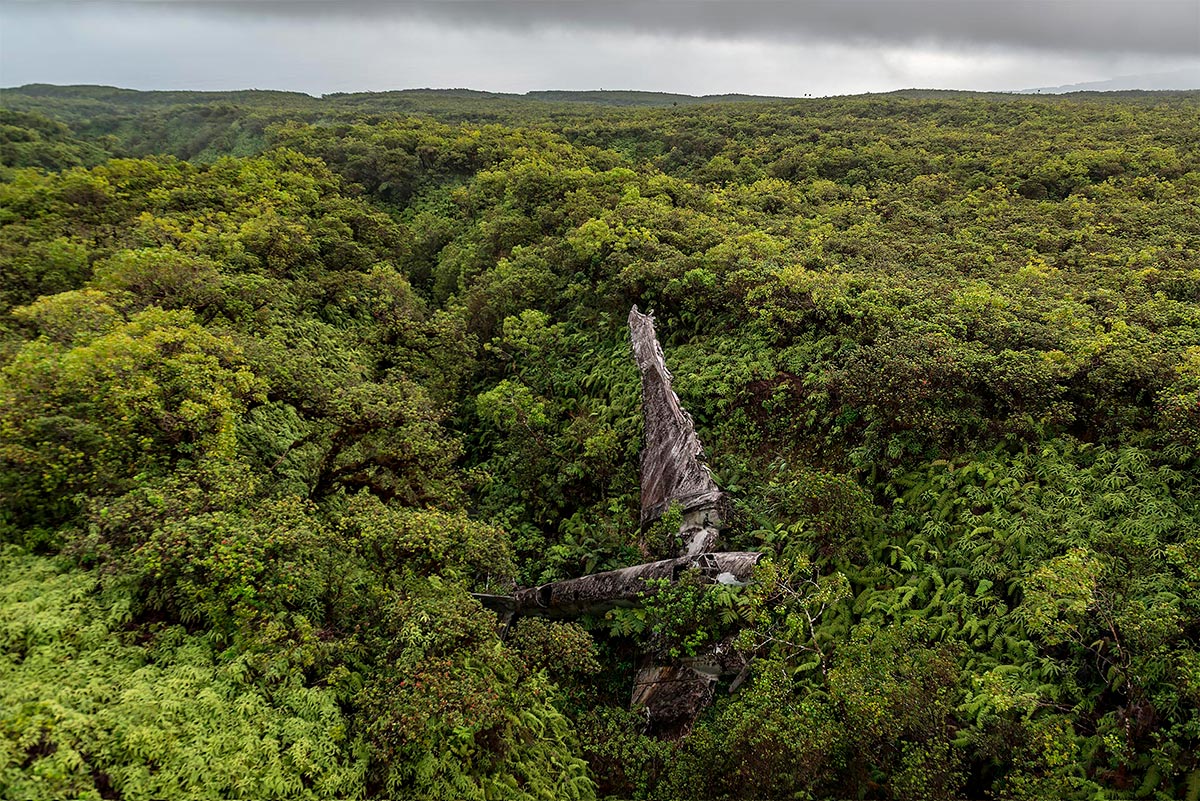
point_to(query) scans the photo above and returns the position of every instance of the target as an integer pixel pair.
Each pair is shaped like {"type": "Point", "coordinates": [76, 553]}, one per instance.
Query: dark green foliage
{"type": "Point", "coordinates": [31, 140]}
{"type": "Point", "coordinates": [268, 416]}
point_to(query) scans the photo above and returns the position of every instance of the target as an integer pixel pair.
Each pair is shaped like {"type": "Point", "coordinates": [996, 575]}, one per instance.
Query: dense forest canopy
{"type": "Point", "coordinates": [283, 380]}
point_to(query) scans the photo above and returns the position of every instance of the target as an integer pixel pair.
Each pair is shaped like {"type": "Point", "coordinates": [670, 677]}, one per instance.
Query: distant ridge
{"type": "Point", "coordinates": [80, 103]}
{"type": "Point", "coordinates": [601, 97]}
{"type": "Point", "coordinates": [598, 97]}
{"type": "Point", "coordinates": [98, 92]}
{"type": "Point", "coordinates": [639, 98]}
{"type": "Point", "coordinates": [1178, 80]}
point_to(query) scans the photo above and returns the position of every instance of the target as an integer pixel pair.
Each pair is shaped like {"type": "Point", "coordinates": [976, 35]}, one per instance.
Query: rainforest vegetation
{"type": "Point", "coordinates": [283, 380]}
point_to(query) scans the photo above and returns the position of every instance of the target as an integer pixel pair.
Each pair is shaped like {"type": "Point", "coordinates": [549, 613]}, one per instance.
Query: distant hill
{"type": "Point", "coordinates": [204, 126]}
{"type": "Point", "coordinates": [1159, 81]}
{"type": "Point", "coordinates": [635, 98]}
{"type": "Point", "coordinates": [72, 102]}
{"type": "Point", "coordinates": [113, 94]}
{"type": "Point", "coordinates": [599, 97]}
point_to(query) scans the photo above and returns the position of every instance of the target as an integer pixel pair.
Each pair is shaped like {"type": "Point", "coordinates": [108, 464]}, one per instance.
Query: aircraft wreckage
{"type": "Point", "coordinates": [672, 474]}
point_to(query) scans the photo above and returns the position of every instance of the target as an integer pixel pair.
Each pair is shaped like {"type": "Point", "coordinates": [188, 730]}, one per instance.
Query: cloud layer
{"type": "Point", "coordinates": [693, 46]}
{"type": "Point", "coordinates": [1090, 26]}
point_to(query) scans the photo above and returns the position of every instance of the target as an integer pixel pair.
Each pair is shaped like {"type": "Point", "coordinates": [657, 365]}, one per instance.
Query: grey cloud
{"type": "Point", "coordinates": [692, 46]}
{"type": "Point", "coordinates": [1162, 27]}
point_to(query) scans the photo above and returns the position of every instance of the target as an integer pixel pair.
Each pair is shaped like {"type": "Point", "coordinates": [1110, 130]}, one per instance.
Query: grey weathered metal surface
{"type": "Point", "coordinates": [600, 592]}
{"type": "Point", "coordinates": [671, 466]}
{"type": "Point", "coordinates": [670, 697]}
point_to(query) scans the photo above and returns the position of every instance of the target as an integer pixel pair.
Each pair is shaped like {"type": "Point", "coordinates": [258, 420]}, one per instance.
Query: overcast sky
{"type": "Point", "coordinates": [777, 47]}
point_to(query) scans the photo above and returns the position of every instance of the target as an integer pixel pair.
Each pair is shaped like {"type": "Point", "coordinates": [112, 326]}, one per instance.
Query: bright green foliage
{"type": "Point", "coordinates": [627, 761]}
{"type": "Point", "coordinates": [86, 714]}
{"type": "Point", "coordinates": [455, 729]}
{"type": "Point", "coordinates": [769, 742]}
{"type": "Point", "coordinates": [96, 402]}
{"type": "Point", "coordinates": [277, 410]}
{"type": "Point", "coordinates": [897, 696]}
{"type": "Point", "coordinates": [679, 618]}
{"type": "Point", "coordinates": [559, 648]}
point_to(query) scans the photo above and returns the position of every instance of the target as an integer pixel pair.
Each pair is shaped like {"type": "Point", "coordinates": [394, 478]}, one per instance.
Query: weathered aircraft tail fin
{"type": "Point", "coordinates": [672, 467]}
